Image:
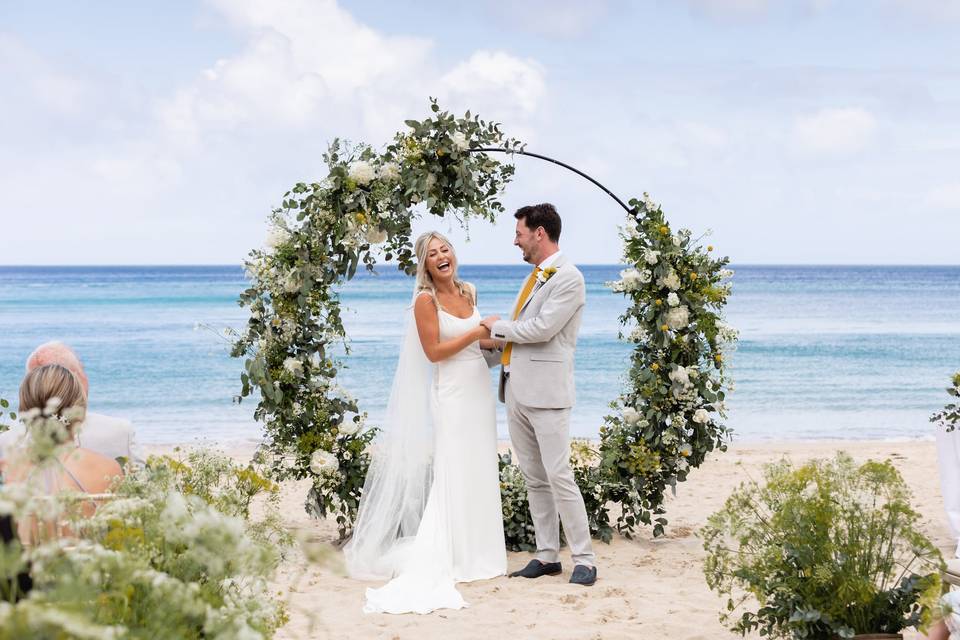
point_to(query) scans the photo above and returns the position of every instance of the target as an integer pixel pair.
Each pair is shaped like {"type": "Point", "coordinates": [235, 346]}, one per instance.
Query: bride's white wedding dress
{"type": "Point", "coordinates": [460, 532]}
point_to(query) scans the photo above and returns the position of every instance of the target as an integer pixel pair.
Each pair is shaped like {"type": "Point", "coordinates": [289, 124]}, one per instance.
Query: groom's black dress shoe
{"type": "Point", "coordinates": [582, 574]}
{"type": "Point", "coordinates": [535, 569]}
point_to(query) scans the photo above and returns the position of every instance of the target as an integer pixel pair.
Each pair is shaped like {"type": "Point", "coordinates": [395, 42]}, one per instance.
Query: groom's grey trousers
{"type": "Point", "coordinates": [541, 439]}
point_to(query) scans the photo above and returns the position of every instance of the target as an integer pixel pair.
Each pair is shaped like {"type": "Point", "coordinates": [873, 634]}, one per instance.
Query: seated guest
{"type": "Point", "coordinates": [74, 468]}
{"type": "Point", "coordinates": [112, 437]}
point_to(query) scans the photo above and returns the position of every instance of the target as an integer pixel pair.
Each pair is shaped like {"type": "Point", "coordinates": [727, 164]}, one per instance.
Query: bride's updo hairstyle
{"type": "Point", "coordinates": [53, 382]}
{"type": "Point", "coordinates": [424, 279]}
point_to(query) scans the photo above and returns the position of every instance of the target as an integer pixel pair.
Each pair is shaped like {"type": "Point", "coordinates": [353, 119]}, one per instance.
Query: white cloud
{"type": "Point", "coordinates": [551, 18]}
{"type": "Point", "coordinates": [944, 197]}
{"type": "Point", "coordinates": [835, 131]}
{"type": "Point", "coordinates": [309, 62]}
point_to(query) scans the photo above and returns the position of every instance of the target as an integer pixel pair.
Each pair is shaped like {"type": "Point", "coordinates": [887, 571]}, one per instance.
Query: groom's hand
{"type": "Point", "coordinates": [488, 322]}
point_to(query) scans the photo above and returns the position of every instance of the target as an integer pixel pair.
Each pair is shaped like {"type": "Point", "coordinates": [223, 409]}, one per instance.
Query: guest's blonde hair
{"type": "Point", "coordinates": [54, 381]}
{"type": "Point", "coordinates": [55, 352]}
{"type": "Point", "coordinates": [424, 279]}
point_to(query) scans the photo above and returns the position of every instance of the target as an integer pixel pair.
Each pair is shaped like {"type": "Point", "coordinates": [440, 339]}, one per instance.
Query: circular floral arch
{"type": "Point", "coordinates": [664, 422]}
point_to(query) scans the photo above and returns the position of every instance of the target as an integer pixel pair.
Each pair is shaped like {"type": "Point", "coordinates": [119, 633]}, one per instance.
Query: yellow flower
{"type": "Point", "coordinates": [654, 367]}
{"type": "Point", "coordinates": [718, 358]}
{"type": "Point", "coordinates": [664, 230]}
{"type": "Point", "coordinates": [361, 218]}
{"type": "Point", "coordinates": [439, 153]}
{"type": "Point", "coordinates": [664, 328]}
{"type": "Point", "coordinates": [709, 247]}
{"type": "Point", "coordinates": [693, 275]}
{"type": "Point", "coordinates": [658, 302]}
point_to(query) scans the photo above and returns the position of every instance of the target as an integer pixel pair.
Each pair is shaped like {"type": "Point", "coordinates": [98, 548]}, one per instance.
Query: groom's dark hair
{"type": "Point", "coordinates": [541, 215]}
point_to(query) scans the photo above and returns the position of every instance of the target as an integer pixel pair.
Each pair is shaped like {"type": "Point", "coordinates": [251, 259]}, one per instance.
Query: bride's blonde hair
{"type": "Point", "coordinates": [424, 279]}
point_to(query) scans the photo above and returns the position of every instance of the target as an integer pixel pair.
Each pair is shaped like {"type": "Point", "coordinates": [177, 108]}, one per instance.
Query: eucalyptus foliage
{"type": "Point", "coordinates": [361, 213]}
{"type": "Point", "coordinates": [829, 549]}
{"type": "Point", "coordinates": [949, 416]}
{"type": "Point", "coordinates": [172, 553]}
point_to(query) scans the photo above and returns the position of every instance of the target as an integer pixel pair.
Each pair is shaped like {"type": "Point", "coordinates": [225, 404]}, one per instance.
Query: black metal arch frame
{"type": "Point", "coordinates": [554, 161]}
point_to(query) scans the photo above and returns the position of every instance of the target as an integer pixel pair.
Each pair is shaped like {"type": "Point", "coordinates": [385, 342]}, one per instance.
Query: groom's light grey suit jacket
{"type": "Point", "coordinates": [544, 338]}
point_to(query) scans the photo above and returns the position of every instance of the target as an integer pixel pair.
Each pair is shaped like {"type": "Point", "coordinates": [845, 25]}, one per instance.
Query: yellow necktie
{"type": "Point", "coordinates": [524, 294]}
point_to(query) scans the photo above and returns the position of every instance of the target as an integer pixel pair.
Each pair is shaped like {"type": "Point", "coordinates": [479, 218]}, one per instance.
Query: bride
{"type": "Point", "coordinates": [430, 515]}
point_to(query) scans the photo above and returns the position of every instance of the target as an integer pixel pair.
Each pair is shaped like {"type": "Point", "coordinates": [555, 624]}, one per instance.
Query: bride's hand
{"type": "Point", "coordinates": [483, 332]}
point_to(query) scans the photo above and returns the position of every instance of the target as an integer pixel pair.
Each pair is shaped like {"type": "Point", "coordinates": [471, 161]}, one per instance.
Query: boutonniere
{"type": "Point", "coordinates": [546, 274]}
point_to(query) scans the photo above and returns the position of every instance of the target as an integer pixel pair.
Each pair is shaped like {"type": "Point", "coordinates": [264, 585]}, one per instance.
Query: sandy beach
{"type": "Point", "coordinates": [647, 588]}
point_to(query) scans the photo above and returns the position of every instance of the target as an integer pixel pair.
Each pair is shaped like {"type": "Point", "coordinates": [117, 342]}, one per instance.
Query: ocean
{"type": "Point", "coordinates": [848, 352]}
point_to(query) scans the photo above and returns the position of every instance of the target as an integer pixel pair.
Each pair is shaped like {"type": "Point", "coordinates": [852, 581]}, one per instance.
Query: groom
{"type": "Point", "coordinates": [536, 382]}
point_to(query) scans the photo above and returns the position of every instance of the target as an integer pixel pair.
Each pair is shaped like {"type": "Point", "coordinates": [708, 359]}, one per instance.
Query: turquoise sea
{"type": "Point", "coordinates": [825, 351]}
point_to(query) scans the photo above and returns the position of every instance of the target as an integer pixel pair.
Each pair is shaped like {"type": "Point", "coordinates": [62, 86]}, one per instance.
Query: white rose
{"type": "Point", "coordinates": [646, 276]}
{"type": "Point", "coordinates": [361, 172]}
{"type": "Point", "coordinates": [460, 141]}
{"type": "Point", "coordinates": [323, 463]}
{"type": "Point", "coordinates": [670, 281]}
{"type": "Point", "coordinates": [639, 335]}
{"type": "Point", "coordinates": [375, 235]}
{"type": "Point", "coordinates": [673, 299]}
{"type": "Point", "coordinates": [677, 240]}
{"type": "Point", "coordinates": [631, 416]}
{"type": "Point", "coordinates": [294, 366]}
{"type": "Point", "coordinates": [389, 171]}
{"type": "Point", "coordinates": [348, 427]}
{"type": "Point", "coordinates": [701, 416]}
{"type": "Point", "coordinates": [678, 317]}
{"type": "Point", "coordinates": [651, 256]}
{"type": "Point", "coordinates": [276, 237]}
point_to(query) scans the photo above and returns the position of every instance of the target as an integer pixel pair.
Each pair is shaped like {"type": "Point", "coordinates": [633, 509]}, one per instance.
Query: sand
{"type": "Point", "coordinates": [647, 588]}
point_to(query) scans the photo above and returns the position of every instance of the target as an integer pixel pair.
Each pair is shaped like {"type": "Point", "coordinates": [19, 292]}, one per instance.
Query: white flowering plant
{"type": "Point", "coordinates": [359, 213]}
{"type": "Point", "coordinates": [172, 552]}
{"type": "Point", "coordinates": [949, 416]}
{"type": "Point", "coordinates": [669, 416]}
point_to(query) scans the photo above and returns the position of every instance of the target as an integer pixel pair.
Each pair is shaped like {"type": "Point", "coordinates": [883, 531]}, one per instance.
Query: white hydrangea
{"type": "Point", "coordinates": [631, 279]}
{"type": "Point", "coordinates": [292, 283]}
{"type": "Point", "coordinates": [276, 237]}
{"type": "Point", "coordinates": [323, 463]}
{"type": "Point", "coordinates": [673, 299]}
{"type": "Point", "coordinates": [701, 416]}
{"type": "Point", "coordinates": [294, 366]}
{"type": "Point", "coordinates": [679, 376]}
{"type": "Point", "coordinates": [389, 171]}
{"type": "Point", "coordinates": [670, 281]}
{"type": "Point", "coordinates": [678, 317]}
{"type": "Point", "coordinates": [651, 256]}
{"type": "Point", "coordinates": [631, 416]}
{"type": "Point", "coordinates": [361, 172]}
{"type": "Point", "coordinates": [639, 335]}
{"type": "Point", "coordinates": [460, 141]}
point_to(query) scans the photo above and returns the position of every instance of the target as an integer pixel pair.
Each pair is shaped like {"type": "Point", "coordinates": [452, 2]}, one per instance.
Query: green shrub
{"type": "Point", "coordinates": [829, 549]}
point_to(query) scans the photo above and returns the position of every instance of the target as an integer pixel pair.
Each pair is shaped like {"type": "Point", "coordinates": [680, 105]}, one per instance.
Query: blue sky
{"type": "Point", "coordinates": [800, 131]}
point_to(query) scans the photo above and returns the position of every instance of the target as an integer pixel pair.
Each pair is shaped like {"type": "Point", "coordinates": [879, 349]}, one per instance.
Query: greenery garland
{"type": "Point", "coordinates": [361, 212]}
